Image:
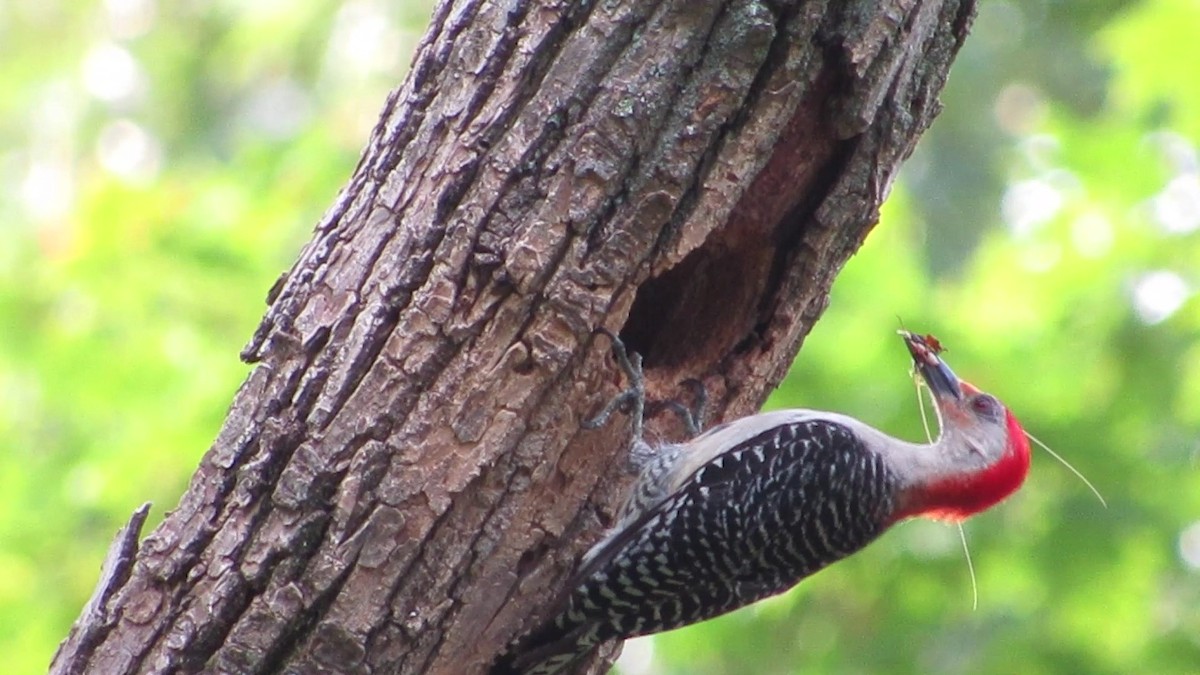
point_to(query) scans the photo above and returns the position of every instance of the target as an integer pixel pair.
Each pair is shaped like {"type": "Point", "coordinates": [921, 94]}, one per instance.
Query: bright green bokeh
{"type": "Point", "coordinates": [165, 162]}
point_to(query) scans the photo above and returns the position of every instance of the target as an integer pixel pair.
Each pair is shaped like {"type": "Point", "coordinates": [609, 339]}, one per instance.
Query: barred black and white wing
{"type": "Point", "coordinates": [749, 522]}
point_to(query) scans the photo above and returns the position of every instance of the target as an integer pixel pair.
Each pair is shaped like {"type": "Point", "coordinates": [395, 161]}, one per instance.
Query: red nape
{"type": "Point", "coordinates": [958, 498]}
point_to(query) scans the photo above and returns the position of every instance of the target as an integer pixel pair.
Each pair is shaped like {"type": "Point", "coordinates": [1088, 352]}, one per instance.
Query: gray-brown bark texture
{"type": "Point", "coordinates": [402, 483]}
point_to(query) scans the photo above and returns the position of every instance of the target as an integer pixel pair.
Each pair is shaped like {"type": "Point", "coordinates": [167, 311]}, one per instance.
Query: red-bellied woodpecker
{"type": "Point", "coordinates": [749, 508]}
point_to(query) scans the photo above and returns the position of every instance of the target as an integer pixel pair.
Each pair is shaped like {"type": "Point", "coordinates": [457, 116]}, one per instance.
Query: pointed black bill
{"type": "Point", "coordinates": [941, 380]}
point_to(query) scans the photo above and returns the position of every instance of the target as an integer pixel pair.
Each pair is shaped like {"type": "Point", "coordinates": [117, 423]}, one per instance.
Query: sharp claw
{"type": "Point", "coordinates": [635, 394]}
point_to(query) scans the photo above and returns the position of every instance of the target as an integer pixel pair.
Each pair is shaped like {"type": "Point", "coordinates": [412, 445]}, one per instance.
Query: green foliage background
{"type": "Point", "coordinates": [163, 163]}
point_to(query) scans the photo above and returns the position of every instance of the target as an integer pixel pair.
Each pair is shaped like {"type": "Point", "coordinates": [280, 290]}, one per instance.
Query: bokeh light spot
{"type": "Point", "coordinates": [1159, 294]}
{"type": "Point", "coordinates": [1189, 546]}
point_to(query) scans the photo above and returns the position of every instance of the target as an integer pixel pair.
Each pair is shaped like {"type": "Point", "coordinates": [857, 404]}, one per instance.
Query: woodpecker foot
{"type": "Point", "coordinates": [634, 396]}
{"type": "Point", "coordinates": [693, 417]}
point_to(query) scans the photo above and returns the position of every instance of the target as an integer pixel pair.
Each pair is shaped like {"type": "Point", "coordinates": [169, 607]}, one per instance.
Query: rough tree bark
{"type": "Point", "coordinates": [402, 482]}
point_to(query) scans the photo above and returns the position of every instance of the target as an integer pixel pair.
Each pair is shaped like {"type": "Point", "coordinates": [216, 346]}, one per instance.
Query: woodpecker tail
{"type": "Point", "coordinates": [550, 658]}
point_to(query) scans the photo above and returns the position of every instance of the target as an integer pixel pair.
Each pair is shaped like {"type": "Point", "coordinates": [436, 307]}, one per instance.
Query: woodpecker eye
{"type": "Point", "coordinates": [986, 405]}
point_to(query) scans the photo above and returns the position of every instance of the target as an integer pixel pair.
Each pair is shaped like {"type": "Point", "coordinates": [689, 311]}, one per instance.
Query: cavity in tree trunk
{"type": "Point", "coordinates": [402, 483]}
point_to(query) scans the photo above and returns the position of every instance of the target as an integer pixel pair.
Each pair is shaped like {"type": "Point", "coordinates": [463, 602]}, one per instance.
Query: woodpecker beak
{"type": "Point", "coordinates": [941, 380]}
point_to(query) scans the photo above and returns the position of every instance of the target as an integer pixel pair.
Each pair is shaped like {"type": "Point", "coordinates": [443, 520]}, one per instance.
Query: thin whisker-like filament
{"type": "Point", "coordinates": [924, 415]}
{"type": "Point", "coordinates": [1070, 468]}
{"type": "Point", "coordinates": [962, 535]}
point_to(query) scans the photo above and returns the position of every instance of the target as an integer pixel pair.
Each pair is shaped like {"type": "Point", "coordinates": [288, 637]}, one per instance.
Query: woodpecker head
{"type": "Point", "coordinates": [982, 454]}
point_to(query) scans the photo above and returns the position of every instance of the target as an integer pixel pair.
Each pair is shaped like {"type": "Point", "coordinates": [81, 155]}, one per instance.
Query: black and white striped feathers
{"type": "Point", "coordinates": [740, 513]}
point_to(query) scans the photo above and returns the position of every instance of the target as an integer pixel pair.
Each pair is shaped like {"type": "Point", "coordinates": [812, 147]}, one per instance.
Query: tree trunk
{"type": "Point", "coordinates": [402, 483]}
